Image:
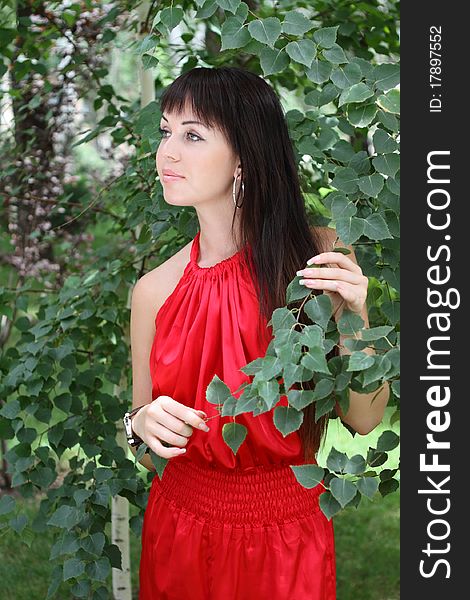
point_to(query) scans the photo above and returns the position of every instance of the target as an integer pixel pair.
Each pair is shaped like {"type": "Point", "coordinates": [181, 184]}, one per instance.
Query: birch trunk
{"type": "Point", "coordinates": [121, 578]}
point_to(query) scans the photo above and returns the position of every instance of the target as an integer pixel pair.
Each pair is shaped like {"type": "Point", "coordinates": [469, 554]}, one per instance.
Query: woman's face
{"type": "Point", "coordinates": [201, 156]}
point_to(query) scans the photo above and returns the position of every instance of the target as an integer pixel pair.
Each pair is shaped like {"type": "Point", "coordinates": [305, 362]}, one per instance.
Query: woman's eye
{"type": "Point", "coordinates": [163, 131]}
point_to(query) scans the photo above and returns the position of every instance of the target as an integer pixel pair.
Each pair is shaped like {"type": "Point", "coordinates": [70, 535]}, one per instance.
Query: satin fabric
{"type": "Point", "coordinates": [220, 526]}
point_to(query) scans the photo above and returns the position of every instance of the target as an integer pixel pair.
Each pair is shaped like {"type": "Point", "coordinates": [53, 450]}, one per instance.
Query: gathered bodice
{"type": "Point", "coordinates": [209, 326]}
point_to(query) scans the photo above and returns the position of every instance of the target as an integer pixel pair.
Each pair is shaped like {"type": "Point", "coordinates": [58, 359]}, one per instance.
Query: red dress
{"type": "Point", "coordinates": [220, 526]}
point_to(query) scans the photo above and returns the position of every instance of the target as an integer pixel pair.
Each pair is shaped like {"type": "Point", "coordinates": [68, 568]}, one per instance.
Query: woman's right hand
{"type": "Point", "coordinates": [165, 419]}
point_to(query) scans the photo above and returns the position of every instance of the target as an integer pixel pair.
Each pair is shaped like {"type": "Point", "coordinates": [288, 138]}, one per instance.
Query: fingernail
{"type": "Point", "coordinates": [204, 427]}
{"type": "Point", "coordinates": [182, 450]}
{"type": "Point", "coordinates": [312, 260]}
{"type": "Point", "coordinates": [300, 272]}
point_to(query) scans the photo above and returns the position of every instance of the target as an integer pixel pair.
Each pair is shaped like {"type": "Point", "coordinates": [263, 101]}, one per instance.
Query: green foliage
{"type": "Point", "coordinates": [69, 347]}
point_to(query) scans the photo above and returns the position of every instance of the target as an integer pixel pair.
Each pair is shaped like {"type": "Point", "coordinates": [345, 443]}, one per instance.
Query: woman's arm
{"type": "Point", "coordinates": [142, 331]}
{"type": "Point", "coordinates": [363, 414]}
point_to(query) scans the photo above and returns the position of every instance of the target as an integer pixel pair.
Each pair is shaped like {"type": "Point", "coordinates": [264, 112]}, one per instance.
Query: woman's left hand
{"type": "Point", "coordinates": [346, 283]}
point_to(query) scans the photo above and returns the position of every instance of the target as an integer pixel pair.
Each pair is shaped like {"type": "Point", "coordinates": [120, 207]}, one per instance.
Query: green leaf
{"type": "Point", "coordinates": [99, 569]}
{"type": "Point", "coordinates": [73, 567]}
{"type": "Point", "coordinates": [360, 162]}
{"type": "Point", "coordinates": [367, 486]}
{"type": "Point", "coordinates": [350, 229]}
{"type": "Point", "coordinates": [282, 318]}
{"type": "Point", "coordinates": [287, 419]}
{"type": "Point", "coordinates": [335, 54]}
{"type": "Point", "coordinates": [328, 93]}
{"type": "Point", "coordinates": [345, 180]}
{"type": "Point", "coordinates": [386, 76]}
{"type": "Point", "coordinates": [342, 151]}
{"type": "Point", "coordinates": [371, 185]}
{"type": "Point", "coordinates": [336, 461]}
{"type": "Point", "coordinates": [319, 71]}
{"type": "Point", "coordinates": [381, 366]}
{"type": "Point", "coordinates": [375, 458]}
{"type": "Point", "coordinates": [302, 51]}
{"type": "Point", "coordinates": [324, 406]}
{"type": "Point", "coordinates": [376, 228]}
{"type": "Point", "coordinates": [171, 17]}
{"type": "Point", "coordinates": [387, 164]}
{"type": "Point", "coordinates": [309, 476]}
{"type": "Point", "coordinates": [323, 388]}
{"type": "Point", "coordinates": [11, 409]}
{"type": "Point", "coordinates": [233, 34]}
{"type": "Point", "coordinates": [315, 360]}
{"type": "Point", "coordinates": [383, 142]}
{"type": "Point", "coordinates": [387, 441]}
{"type": "Point", "coordinates": [234, 435]}
{"type": "Point", "coordinates": [296, 291]}
{"type": "Point", "coordinates": [350, 322]}
{"type": "Point", "coordinates": [230, 5]}
{"type": "Point", "coordinates": [393, 184]}
{"type": "Point", "coordinates": [358, 361]}
{"type": "Point", "coordinates": [328, 504]}
{"type": "Point", "coordinates": [361, 116]}
{"type": "Point", "coordinates": [148, 43]}
{"type": "Point", "coordinates": [299, 399]}
{"type": "Point", "coordinates": [356, 93]}
{"type": "Point", "coordinates": [295, 23]}
{"type": "Point", "coordinates": [355, 465]}
{"type": "Point", "coordinates": [312, 336]}
{"type": "Point", "coordinates": [272, 367]}
{"type": "Point", "coordinates": [269, 391]}
{"type": "Point", "coordinates": [65, 517]}
{"type": "Point", "coordinates": [395, 390]}
{"type": "Point", "coordinates": [326, 36]}
{"type": "Point", "coordinates": [229, 407]}
{"type": "Point", "coordinates": [342, 207]}
{"type": "Point", "coordinates": [388, 120]}
{"type": "Point", "coordinates": [266, 31]}
{"type": "Point", "coordinates": [273, 61]}
{"type": "Point", "coordinates": [343, 490]}
{"type": "Point", "coordinates": [148, 61]}
{"type": "Point", "coordinates": [242, 12]}
{"type": "Point", "coordinates": [388, 487]}
{"type": "Point", "coordinates": [253, 367]}
{"type": "Point", "coordinates": [390, 102]}
{"type": "Point", "coordinates": [217, 391]}
{"type": "Point", "coordinates": [376, 333]}
{"type": "Point", "coordinates": [346, 76]}
{"type": "Point", "coordinates": [7, 505]}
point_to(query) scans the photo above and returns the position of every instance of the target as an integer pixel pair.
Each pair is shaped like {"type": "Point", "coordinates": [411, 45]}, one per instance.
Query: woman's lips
{"type": "Point", "coordinates": [169, 178]}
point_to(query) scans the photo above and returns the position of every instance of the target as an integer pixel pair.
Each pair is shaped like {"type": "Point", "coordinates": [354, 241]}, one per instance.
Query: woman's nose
{"type": "Point", "coordinates": [170, 149]}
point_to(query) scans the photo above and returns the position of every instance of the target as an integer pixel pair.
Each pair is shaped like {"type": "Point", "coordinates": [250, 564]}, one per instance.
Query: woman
{"type": "Point", "coordinates": [219, 525]}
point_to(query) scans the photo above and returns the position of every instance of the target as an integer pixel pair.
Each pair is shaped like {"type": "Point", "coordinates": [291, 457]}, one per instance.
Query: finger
{"type": "Point", "coordinates": [351, 294]}
{"type": "Point", "coordinates": [165, 435]}
{"type": "Point", "coordinates": [326, 273]}
{"type": "Point", "coordinates": [185, 413]}
{"type": "Point", "coordinates": [320, 284]}
{"type": "Point", "coordinates": [164, 451]}
{"type": "Point", "coordinates": [172, 423]}
{"type": "Point", "coordinates": [335, 258]}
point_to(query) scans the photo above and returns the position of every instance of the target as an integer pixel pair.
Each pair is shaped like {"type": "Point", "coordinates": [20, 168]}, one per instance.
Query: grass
{"type": "Point", "coordinates": [367, 540]}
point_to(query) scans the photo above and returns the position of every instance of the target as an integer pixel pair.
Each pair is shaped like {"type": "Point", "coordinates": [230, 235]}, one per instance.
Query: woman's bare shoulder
{"type": "Point", "coordinates": [154, 287]}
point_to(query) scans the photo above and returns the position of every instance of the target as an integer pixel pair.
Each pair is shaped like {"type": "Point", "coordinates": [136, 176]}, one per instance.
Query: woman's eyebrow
{"type": "Point", "coordinates": [188, 122]}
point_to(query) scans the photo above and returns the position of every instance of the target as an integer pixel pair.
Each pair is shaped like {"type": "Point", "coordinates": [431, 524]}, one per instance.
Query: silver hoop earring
{"type": "Point", "coordinates": [233, 192]}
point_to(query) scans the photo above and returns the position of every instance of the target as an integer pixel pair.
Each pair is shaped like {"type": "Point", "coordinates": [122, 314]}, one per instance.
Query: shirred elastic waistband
{"type": "Point", "coordinates": [257, 496]}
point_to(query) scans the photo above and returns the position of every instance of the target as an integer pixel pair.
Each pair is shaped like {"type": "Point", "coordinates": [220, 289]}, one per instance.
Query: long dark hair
{"type": "Point", "coordinates": [273, 219]}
